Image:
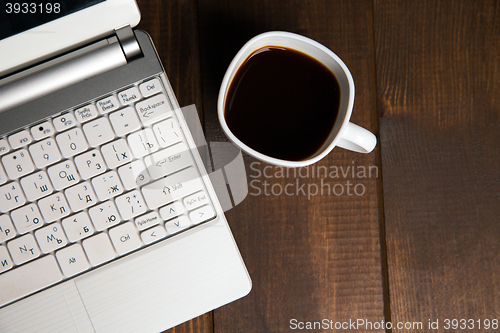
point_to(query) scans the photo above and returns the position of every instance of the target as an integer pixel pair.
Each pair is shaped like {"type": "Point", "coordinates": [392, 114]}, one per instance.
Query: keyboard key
{"type": "Point", "coordinates": [154, 234]}
{"type": "Point", "coordinates": [98, 249]}
{"type": "Point", "coordinates": [134, 174]}
{"type": "Point", "coordinates": [20, 139]}
{"type": "Point", "coordinates": [98, 132]}
{"type": "Point", "coordinates": [36, 186]}
{"type": "Point", "coordinates": [3, 175]}
{"type": "Point", "coordinates": [27, 218]}
{"type": "Point", "coordinates": [131, 205]}
{"type": "Point", "coordinates": [125, 238]}
{"type": "Point", "coordinates": [129, 96]}
{"type": "Point", "coordinates": [90, 164]}
{"type": "Point", "coordinates": [196, 200]}
{"type": "Point", "coordinates": [72, 142]}
{"type": "Point", "coordinates": [29, 278]}
{"type": "Point", "coordinates": [142, 143]}
{"type": "Point", "coordinates": [11, 196]}
{"type": "Point", "coordinates": [104, 215]}
{"type": "Point", "coordinates": [107, 186]}
{"type": "Point", "coordinates": [86, 113]}
{"type": "Point", "coordinates": [107, 104]}
{"type": "Point", "coordinates": [153, 109]}
{"type": "Point", "coordinates": [45, 153]}
{"type": "Point", "coordinates": [125, 121]}
{"type": "Point", "coordinates": [7, 230]}
{"type": "Point", "coordinates": [63, 175]}
{"type": "Point", "coordinates": [80, 196]}
{"type": "Point", "coordinates": [23, 249]}
{"type": "Point", "coordinates": [54, 207]}
{"type": "Point", "coordinates": [116, 153]}
{"type": "Point", "coordinates": [168, 160]}
{"type": "Point", "coordinates": [172, 188]}
{"type": "Point", "coordinates": [72, 260]}
{"type": "Point", "coordinates": [42, 130]}
{"type": "Point", "coordinates": [150, 87]}
{"type": "Point", "coordinates": [170, 211]}
{"type": "Point", "coordinates": [202, 214]}
{"type": "Point", "coordinates": [167, 132]}
{"type": "Point", "coordinates": [64, 122]}
{"type": "Point", "coordinates": [51, 238]}
{"type": "Point", "coordinates": [78, 227]}
{"type": "Point", "coordinates": [4, 147]}
{"type": "Point", "coordinates": [18, 164]}
{"type": "Point", "coordinates": [98, 170]}
{"type": "Point", "coordinates": [5, 260]}
{"type": "Point", "coordinates": [178, 224]}
{"type": "Point", "coordinates": [146, 221]}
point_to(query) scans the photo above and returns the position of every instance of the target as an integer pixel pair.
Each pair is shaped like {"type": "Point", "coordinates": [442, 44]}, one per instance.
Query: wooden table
{"type": "Point", "coordinates": [422, 242]}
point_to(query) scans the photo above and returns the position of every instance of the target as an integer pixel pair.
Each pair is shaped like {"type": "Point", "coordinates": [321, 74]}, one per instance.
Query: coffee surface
{"type": "Point", "coordinates": [282, 103]}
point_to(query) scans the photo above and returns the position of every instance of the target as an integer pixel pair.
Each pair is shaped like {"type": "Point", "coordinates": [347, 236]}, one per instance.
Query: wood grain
{"type": "Point", "coordinates": [438, 78]}
{"type": "Point", "coordinates": [315, 258]}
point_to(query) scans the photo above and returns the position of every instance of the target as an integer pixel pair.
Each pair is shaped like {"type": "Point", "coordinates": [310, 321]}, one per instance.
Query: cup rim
{"type": "Point", "coordinates": [228, 77]}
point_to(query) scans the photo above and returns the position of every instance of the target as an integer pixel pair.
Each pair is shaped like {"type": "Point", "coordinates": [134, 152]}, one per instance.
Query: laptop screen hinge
{"type": "Point", "coordinates": [128, 43]}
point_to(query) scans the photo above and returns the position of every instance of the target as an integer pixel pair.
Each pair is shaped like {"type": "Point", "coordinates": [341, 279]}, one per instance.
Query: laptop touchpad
{"type": "Point", "coordinates": [57, 310]}
{"type": "Point", "coordinates": [164, 285]}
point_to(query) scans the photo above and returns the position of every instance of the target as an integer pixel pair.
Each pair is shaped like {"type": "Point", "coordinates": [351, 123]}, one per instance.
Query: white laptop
{"type": "Point", "coordinates": [108, 220]}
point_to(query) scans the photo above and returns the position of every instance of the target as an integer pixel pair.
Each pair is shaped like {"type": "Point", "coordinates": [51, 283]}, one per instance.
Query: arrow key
{"type": "Point", "coordinates": [178, 224]}
{"type": "Point", "coordinates": [202, 214]}
{"type": "Point", "coordinates": [170, 211]}
{"type": "Point", "coordinates": [154, 234]}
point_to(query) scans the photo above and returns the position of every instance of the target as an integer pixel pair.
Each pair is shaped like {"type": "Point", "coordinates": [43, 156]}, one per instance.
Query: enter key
{"type": "Point", "coordinates": [168, 160]}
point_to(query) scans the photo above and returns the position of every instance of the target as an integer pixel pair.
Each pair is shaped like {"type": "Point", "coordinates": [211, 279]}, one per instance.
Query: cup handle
{"type": "Point", "coordinates": [358, 139]}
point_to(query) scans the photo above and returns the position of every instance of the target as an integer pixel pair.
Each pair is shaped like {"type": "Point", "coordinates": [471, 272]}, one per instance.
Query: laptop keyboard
{"type": "Point", "coordinates": [93, 184]}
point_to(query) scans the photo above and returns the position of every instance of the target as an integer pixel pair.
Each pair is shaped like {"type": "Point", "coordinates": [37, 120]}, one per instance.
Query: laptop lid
{"type": "Point", "coordinates": [34, 31]}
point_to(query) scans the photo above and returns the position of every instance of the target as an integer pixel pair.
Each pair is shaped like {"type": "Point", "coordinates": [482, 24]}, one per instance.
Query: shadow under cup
{"type": "Point", "coordinates": [314, 50]}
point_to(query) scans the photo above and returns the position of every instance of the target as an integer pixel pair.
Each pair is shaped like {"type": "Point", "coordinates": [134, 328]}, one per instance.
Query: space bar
{"type": "Point", "coordinates": [28, 278]}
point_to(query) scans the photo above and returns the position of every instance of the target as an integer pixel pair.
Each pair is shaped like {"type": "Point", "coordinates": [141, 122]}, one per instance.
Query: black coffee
{"type": "Point", "coordinates": [282, 103]}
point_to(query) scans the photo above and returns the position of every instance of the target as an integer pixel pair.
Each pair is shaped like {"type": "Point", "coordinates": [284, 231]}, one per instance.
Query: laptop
{"type": "Point", "coordinates": [109, 221]}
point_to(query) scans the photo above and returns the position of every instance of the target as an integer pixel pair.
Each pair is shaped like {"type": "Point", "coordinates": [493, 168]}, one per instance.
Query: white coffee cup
{"type": "Point", "coordinates": [344, 133]}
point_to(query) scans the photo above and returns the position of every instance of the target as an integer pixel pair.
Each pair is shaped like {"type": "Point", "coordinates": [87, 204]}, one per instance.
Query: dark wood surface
{"type": "Point", "coordinates": [422, 241]}
{"type": "Point", "coordinates": [438, 88]}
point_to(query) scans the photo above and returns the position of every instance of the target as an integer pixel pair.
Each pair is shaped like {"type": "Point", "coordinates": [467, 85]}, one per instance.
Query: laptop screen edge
{"type": "Point", "coordinates": [66, 33]}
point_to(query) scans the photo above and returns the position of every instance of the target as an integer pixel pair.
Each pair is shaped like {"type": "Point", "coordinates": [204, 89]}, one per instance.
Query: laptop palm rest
{"type": "Point", "coordinates": [205, 271]}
